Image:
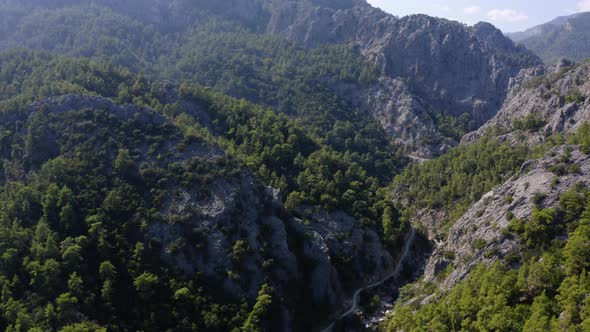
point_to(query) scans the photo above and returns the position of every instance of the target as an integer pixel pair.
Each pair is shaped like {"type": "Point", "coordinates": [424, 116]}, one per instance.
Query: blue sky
{"type": "Point", "coordinates": [508, 15]}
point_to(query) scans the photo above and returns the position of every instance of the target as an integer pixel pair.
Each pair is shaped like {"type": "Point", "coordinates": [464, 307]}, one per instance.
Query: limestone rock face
{"type": "Point", "coordinates": [480, 235]}
{"type": "Point", "coordinates": [445, 67]}
{"type": "Point", "coordinates": [556, 96]}
{"type": "Point", "coordinates": [542, 101]}
{"type": "Point", "coordinates": [429, 69]}
{"type": "Point", "coordinates": [402, 115]}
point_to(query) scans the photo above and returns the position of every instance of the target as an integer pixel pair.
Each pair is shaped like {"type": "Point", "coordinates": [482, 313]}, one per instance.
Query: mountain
{"type": "Point", "coordinates": [565, 37]}
{"type": "Point", "coordinates": [415, 60]}
{"type": "Point", "coordinates": [248, 165]}
{"type": "Point", "coordinates": [543, 100]}
{"type": "Point", "coordinates": [539, 29]}
{"type": "Point", "coordinates": [130, 198]}
{"type": "Point", "coordinates": [508, 230]}
{"type": "Point", "coordinates": [420, 59]}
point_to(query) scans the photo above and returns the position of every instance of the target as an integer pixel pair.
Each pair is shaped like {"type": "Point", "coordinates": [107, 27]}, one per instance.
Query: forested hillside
{"type": "Point", "coordinates": [511, 230]}
{"type": "Point", "coordinates": [539, 285]}
{"type": "Point", "coordinates": [325, 159]}
{"type": "Point", "coordinates": [254, 165]}
{"type": "Point", "coordinates": [565, 37]}
{"type": "Point", "coordinates": [251, 49]}
{"type": "Point", "coordinates": [119, 178]}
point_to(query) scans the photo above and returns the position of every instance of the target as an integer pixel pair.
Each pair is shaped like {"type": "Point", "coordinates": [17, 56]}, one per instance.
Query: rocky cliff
{"type": "Point", "coordinates": [482, 234]}
{"type": "Point", "coordinates": [543, 101]}
{"type": "Point", "coordinates": [438, 78]}
{"type": "Point", "coordinates": [544, 106]}
{"type": "Point", "coordinates": [443, 67]}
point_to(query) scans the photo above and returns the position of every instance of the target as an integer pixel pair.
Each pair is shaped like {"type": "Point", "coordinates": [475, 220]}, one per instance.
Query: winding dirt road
{"type": "Point", "coordinates": [395, 273]}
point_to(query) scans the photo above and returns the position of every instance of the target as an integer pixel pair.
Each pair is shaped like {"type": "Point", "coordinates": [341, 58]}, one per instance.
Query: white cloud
{"type": "Point", "coordinates": [507, 15]}
{"type": "Point", "coordinates": [441, 7]}
{"type": "Point", "coordinates": [584, 6]}
{"type": "Point", "coordinates": [473, 10]}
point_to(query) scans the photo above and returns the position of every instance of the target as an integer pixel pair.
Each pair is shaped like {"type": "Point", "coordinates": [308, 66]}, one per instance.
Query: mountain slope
{"type": "Point", "coordinates": [544, 101]}
{"type": "Point", "coordinates": [447, 68]}
{"type": "Point", "coordinates": [168, 188]}
{"type": "Point", "coordinates": [515, 260]}
{"type": "Point", "coordinates": [255, 195]}
{"type": "Point", "coordinates": [510, 255]}
{"type": "Point", "coordinates": [416, 58]}
{"type": "Point", "coordinates": [565, 37]}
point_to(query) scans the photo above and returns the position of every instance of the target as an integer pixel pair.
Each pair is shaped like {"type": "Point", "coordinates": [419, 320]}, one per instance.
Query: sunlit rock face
{"type": "Point", "coordinates": [445, 66]}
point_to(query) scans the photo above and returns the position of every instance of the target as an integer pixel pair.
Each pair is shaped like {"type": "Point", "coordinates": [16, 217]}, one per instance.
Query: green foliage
{"type": "Point", "coordinates": [239, 249]}
{"type": "Point", "coordinates": [30, 76]}
{"type": "Point", "coordinates": [83, 327]}
{"type": "Point", "coordinates": [538, 198]}
{"type": "Point", "coordinates": [66, 308]}
{"type": "Point", "coordinates": [567, 40]}
{"type": "Point", "coordinates": [577, 249]}
{"type": "Point", "coordinates": [459, 178]}
{"type": "Point", "coordinates": [343, 175]}
{"type": "Point", "coordinates": [107, 270]}
{"type": "Point", "coordinates": [264, 69]}
{"type": "Point", "coordinates": [82, 187]}
{"type": "Point", "coordinates": [391, 232]}
{"type": "Point", "coordinates": [123, 163]}
{"type": "Point", "coordinates": [146, 285]}
{"type": "Point", "coordinates": [259, 311]}
{"type": "Point", "coordinates": [73, 235]}
{"type": "Point", "coordinates": [479, 303]}
{"type": "Point", "coordinates": [530, 123]}
{"type": "Point", "coordinates": [455, 127]}
{"type": "Point", "coordinates": [542, 311]}
{"type": "Point", "coordinates": [541, 229]}
{"type": "Point", "coordinates": [479, 244]}
{"type": "Point", "coordinates": [582, 137]}
{"type": "Point", "coordinates": [547, 292]}
{"type": "Point", "coordinates": [572, 203]}
{"type": "Point", "coordinates": [575, 97]}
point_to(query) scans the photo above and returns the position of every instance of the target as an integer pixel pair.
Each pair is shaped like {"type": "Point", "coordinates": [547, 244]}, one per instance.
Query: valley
{"type": "Point", "coordinates": [278, 165]}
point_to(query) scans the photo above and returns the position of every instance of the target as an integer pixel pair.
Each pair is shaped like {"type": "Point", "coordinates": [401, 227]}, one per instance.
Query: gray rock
{"type": "Point", "coordinates": [486, 221]}
{"type": "Point", "coordinates": [429, 65]}
{"type": "Point", "coordinates": [546, 93]}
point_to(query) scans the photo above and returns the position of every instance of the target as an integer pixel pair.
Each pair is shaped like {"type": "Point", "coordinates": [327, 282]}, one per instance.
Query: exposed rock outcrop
{"type": "Point", "coordinates": [543, 101]}
{"type": "Point", "coordinates": [226, 227]}
{"type": "Point", "coordinates": [480, 236]}
{"type": "Point", "coordinates": [444, 66]}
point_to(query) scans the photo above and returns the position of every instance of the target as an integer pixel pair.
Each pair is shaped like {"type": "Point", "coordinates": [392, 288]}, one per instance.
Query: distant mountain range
{"type": "Point", "coordinates": [564, 37]}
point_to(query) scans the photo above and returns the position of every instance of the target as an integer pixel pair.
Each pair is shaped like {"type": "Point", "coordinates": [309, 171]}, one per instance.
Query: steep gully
{"type": "Point", "coordinates": [356, 296]}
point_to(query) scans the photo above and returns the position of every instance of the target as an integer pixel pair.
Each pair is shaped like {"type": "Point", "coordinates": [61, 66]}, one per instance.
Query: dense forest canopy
{"type": "Point", "coordinates": [97, 164]}
{"type": "Point", "coordinates": [170, 166]}
{"type": "Point", "coordinates": [265, 101]}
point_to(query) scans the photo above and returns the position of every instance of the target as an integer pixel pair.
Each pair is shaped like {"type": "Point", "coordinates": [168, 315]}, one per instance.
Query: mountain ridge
{"type": "Point", "coordinates": [415, 51]}
{"type": "Point", "coordinates": [565, 37]}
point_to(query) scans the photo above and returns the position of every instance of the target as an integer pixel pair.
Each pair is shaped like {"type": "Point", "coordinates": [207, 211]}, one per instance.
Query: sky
{"type": "Point", "coordinates": [508, 15]}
